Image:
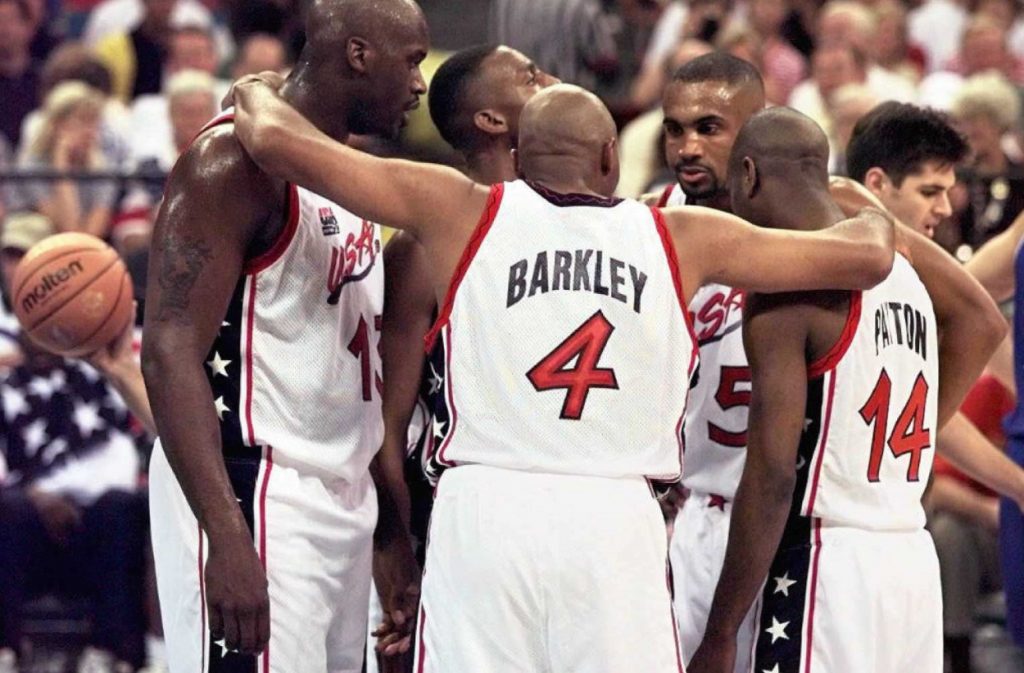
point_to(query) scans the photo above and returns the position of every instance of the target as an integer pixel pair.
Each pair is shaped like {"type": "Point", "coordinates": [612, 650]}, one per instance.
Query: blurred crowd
{"type": "Point", "coordinates": [99, 97]}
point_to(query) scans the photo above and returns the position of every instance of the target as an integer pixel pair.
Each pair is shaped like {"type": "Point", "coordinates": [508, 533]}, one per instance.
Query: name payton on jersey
{"type": "Point", "coordinates": [578, 271]}
{"type": "Point", "coordinates": [903, 325]}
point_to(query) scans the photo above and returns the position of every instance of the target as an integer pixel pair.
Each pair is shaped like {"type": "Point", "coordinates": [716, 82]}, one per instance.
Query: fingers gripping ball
{"type": "Point", "coordinates": [72, 294]}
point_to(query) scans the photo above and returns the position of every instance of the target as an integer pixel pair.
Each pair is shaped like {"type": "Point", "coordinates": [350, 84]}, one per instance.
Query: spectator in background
{"type": "Point", "coordinates": [113, 17]}
{"type": "Point", "coordinates": [44, 39]}
{"type": "Point", "coordinates": [19, 73]}
{"type": "Point", "coordinates": [69, 140]}
{"type": "Point", "coordinates": [892, 48]}
{"type": "Point", "coordinates": [136, 59]}
{"type": "Point", "coordinates": [848, 104]}
{"type": "Point", "coordinates": [574, 40]}
{"type": "Point", "coordinates": [781, 64]}
{"type": "Point", "coordinates": [74, 62]}
{"type": "Point", "coordinates": [192, 100]}
{"type": "Point", "coordinates": [984, 48]}
{"type": "Point", "coordinates": [937, 25]}
{"type": "Point", "coordinates": [832, 66]}
{"type": "Point", "coordinates": [987, 109]}
{"type": "Point", "coordinates": [71, 516]}
{"type": "Point", "coordinates": [258, 53]}
{"type": "Point", "coordinates": [849, 23]}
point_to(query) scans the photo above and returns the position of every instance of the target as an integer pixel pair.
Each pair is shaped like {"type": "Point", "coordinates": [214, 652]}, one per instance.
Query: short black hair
{"type": "Point", "coordinates": [899, 138]}
{"type": "Point", "coordinates": [719, 66]}
{"type": "Point", "coordinates": [448, 90]}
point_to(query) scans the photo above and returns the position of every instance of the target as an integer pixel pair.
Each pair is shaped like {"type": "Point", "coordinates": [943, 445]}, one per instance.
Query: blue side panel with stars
{"type": "Point", "coordinates": [788, 592]}
{"type": "Point", "coordinates": [224, 372]}
{"type": "Point", "coordinates": [435, 389]}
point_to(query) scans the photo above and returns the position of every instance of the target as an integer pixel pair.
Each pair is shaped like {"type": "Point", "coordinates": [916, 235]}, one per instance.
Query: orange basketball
{"type": "Point", "coordinates": [72, 294]}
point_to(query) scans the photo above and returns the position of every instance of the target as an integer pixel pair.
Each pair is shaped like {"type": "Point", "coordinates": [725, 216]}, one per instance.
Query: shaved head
{"type": "Point", "coordinates": [566, 134]}
{"type": "Point", "coordinates": [362, 57]}
{"type": "Point", "coordinates": [779, 156]}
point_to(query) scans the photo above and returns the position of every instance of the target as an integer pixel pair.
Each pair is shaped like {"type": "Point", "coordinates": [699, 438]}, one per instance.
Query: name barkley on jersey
{"type": "Point", "coordinates": [576, 271]}
{"type": "Point", "coordinates": [902, 325]}
{"type": "Point", "coordinates": [352, 261]}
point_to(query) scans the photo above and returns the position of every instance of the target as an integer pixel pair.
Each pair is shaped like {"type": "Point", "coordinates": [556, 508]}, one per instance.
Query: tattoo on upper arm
{"type": "Point", "coordinates": [181, 264]}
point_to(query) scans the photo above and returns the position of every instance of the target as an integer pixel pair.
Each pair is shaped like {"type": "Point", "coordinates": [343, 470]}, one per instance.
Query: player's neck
{"type": "Point", "coordinates": [808, 210]}
{"type": "Point", "coordinates": [718, 201]}
{"type": "Point", "coordinates": [298, 93]}
{"type": "Point", "coordinates": [491, 165]}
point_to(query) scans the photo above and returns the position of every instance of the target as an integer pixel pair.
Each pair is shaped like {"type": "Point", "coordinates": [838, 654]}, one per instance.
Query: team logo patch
{"type": "Point", "coordinates": [353, 261]}
{"type": "Point", "coordinates": [328, 222]}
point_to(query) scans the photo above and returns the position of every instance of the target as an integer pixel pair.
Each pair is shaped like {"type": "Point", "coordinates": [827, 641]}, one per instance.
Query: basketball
{"type": "Point", "coordinates": [72, 294]}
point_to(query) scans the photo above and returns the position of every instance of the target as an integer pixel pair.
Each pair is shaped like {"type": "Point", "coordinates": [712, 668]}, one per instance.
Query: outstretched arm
{"type": "Point", "coordinates": [992, 264]}
{"type": "Point", "coordinates": [420, 198]}
{"type": "Point", "coordinates": [717, 247]}
{"type": "Point", "coordinates": [775, 338]}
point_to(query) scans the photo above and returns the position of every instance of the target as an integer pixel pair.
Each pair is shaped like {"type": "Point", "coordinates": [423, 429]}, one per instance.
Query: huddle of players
{"type": "Point", "coordinates": [567, 432]}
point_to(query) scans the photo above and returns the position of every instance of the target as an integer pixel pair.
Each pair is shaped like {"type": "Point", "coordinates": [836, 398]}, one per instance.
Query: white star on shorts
{"type": "Point", "coordinates": [777, 630]}
{"type": "Point", "coordinates": [221, 408]}
{"type": "Point", "coordinates": [782, 584]}
{"type": "Point", "coordinates": [773, 669]}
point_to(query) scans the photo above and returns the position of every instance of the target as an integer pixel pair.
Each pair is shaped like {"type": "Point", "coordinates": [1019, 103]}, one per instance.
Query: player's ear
{"type": "Point", "coordinates": [357, 51]}
{"type": "Point", "coordinates": [876, 180]}
{"type": "Point", "coordinates": [491, 122]}
{"type": "Point", "coordinates": [609, 156]}
{"type": "Point", "coordinates": [751, 179]}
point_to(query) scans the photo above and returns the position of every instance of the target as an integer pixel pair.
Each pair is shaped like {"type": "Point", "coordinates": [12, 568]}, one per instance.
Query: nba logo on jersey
{"type": "Point", "coordinates": [353, 261]}
{"type": "Point", "coordinates": [328, 222]}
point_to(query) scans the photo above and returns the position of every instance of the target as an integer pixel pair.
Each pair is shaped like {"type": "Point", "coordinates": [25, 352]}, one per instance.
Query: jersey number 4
{"type": "Point", "coordinates": [908, 433]}
{"type": "Point", "coordinates": [584, 345]}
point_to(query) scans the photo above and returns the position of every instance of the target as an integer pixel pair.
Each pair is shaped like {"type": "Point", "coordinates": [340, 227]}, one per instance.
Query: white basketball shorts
{"type": "Point", "coordinates": [697, 552]}
{"type": "Point", "coordinates": [532, 573]}
{"type": "Point", "coordinates": [852, 600]}
{"type": "Point", "coordinates": [314, 537]}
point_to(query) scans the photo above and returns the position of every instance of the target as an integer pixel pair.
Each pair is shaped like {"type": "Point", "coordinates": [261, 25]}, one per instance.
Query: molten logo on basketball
{"type": "Point", "coordinates": [50, 284]}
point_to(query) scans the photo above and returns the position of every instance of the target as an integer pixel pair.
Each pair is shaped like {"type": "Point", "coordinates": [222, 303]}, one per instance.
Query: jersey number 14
{"type": "Point", "coordinates": [908, 433]}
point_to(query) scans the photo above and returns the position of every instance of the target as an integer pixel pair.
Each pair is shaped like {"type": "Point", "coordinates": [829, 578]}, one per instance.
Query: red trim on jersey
{"type": "Point", "coordinates": [822, 445]}
{"type": "Point", "coordinates": [673, 266]}
{"type": "Point", "coordinates": [222, 118]}
{"type": "Point", "coordinates": [482, 227]}
{"type": "Point", "coordinates": [203, 635]}
{"type": "Point", "coordinates": [665, 194]}
{"type": "Point", "coordinates": [423, 646]}
{"type": "Point", "coordinates": [816, 543]}
{"type": "Point", "coordinates": [251, 318]}
{"type": "Point", "coordinates": [839, 348]}
{"type": "Point", "coordinates": [452, 411]}
{"type": "Point", "coordinates": [269, 462]}
{"type": "Point", "coordinates": [264, 261]}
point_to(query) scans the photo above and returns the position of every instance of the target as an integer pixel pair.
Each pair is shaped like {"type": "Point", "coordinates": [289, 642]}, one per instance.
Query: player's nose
{"type": "Point", "coordinates": [943, 208]}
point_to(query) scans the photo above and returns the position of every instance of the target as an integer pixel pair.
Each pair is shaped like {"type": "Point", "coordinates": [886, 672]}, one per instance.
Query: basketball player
{"type": "Point", "coordinates": [261, 360]}
{"type": "Point", "coordinates": [476, 97]}
{"type": "Point", "coordinates": [705, 105]}
{"type": "Point", "coordinates": [845, 387]}
{"type": "Point", "coordinates": [566, 340]}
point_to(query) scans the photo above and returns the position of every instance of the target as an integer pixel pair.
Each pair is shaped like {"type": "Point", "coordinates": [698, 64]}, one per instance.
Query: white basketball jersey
{"type": "Point", "coordinates": [866, 454]}
{"type": "Point", "coordinates": [296, 364]}
{"type": "Point", "coordinates": [716, 415]}
{"type": "Point", "coordinates": [568, 349]}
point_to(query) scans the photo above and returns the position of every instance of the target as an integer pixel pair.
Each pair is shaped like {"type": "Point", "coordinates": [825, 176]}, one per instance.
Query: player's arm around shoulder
{"type": "Point", "coordinates": [855, 253]}
{"type": "Point", "coordinates": [424, 199]}
{"type": "Point", "coordinates": [775, 335]}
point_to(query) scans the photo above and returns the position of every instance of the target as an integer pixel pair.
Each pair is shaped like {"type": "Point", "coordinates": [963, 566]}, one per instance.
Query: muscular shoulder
{"type": "Point", "coordinates": [814, 320]}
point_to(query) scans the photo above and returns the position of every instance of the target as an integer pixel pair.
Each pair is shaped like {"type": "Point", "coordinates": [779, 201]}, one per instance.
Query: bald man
{"type": "Point", "coordinates": [845, 387]}
{"type": "Point", "coordinates": [260, 358]}
{"type": "Point", "coordinates": [567, 353]}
